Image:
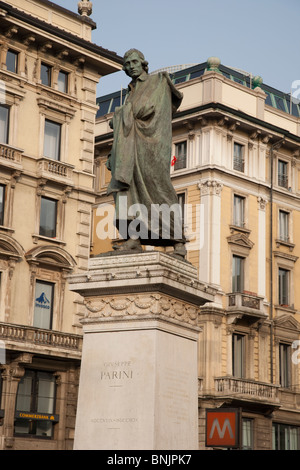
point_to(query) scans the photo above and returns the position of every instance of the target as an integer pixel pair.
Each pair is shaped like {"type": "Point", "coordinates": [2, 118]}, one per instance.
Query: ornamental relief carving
{"type": "Point", "coordinates": [129, 306]}
{"type": "Point", "coordinates": [262, 202]}
{"type": "Point", "coordinates": [213, 187]}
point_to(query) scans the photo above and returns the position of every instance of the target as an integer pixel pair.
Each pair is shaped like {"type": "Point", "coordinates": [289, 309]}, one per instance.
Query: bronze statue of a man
{"type": "Point", "coordinates": [140, 160]}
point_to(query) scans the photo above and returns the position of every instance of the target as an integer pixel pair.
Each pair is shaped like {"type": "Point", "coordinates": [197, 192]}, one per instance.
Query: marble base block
{"type": "Point", "coordinates": [138, 383]}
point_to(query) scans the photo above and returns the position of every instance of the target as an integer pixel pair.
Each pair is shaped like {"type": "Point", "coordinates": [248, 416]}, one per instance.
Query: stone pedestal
{"type": "Point", "coordinates": [138, 384]}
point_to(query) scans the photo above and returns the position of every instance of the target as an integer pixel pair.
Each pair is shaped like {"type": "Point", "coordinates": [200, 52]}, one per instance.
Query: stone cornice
{"type": "Point", "coordinates": [142, 273]}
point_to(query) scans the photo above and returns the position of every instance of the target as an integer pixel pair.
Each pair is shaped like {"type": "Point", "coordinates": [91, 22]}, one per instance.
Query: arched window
{"type": "Point", "coordinates": [49, 267]}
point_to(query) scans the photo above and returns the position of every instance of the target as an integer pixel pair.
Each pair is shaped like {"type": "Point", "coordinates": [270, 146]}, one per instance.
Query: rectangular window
{"type": "Point", "coordinates": [4, 117]}
{"type": "Point", "coordinates": [36, 395]}
{"type": "Point", "coordinates": [48, 217]}
{"type": "Point", "coordinates": [43, 305]}
{"type": "Point", "coordinates": [52, 140]}
{"type": "Point", "coordinates": [12, 61]}
{"type": "Point", "coordinates": [283, 226]}
{"type": "Point", "coordinates": [237, 273]}
{"type": "Point", "coordinates": [238, 211]}
{"type": "Point", "coordinates": [46, 74]}
{"type": "Point", "coordinates": [284, 364]}
{"type": "Point", "coordinates": [238, 355]}
{"type": "Point", "coordinates": [247, 434]}
{"type": "Point", "coordinates": [285, 437]}
{"type": "Point", "coordinates": [62, 81]}
{"type": "Point", "coordinates": [2, 203]}
{"type": "Point", "coordinates": [181, 202]}
{"type": "Point", "coordinates": [180, 155]}
{"type": "Point", "coordinates": [282, 174]}
{"type": "Point", "coordinates": [283, 286]}
{"type": "Point", "coordinates": [239, 157]}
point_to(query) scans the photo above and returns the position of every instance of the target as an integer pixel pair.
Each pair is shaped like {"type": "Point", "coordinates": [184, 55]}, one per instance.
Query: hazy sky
{"type": "Point", "coordinates": [259, 36]}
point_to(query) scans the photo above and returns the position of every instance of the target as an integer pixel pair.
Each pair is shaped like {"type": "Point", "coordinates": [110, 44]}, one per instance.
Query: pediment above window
{"type": "Point", "coordinates": [47, 103]}
{"type": "Point", "coordinates": [13, 92]}
{"type": "Point", "coordinates": [286, 256]}
{"type": "Point", "coordinates": [10, 248]}
{"type": "Point", "coordinates": [287, 322]}
{"type": "Point", "coordinates": [241, 240]}
{"type": "Point", "coordinates": [51, 256]}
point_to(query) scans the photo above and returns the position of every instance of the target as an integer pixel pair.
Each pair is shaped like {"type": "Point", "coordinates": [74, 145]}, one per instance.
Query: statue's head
{"type": "Point", "coordinates": [134, 63]}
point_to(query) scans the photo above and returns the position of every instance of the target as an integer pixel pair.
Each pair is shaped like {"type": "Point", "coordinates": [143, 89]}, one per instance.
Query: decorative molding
{"type": "Point", "coordinates": [46, 46]}
{"type": "Point", "coordinates": [11, 31]}
{"type": "Point", "coordinates": [146, 273]}
{"type": "Point", "coordinates": [10, 248]}
{"type": "Point", "coordinates": [52, 256]}
{"type": "Point", "coordinates": [286, 256]}
{"type": "Point", "coordinates": [262, 202]}
{"type": "Point", "coordinates": [288, 244]}
{"type": "Point", "coordinates": [47, 103]}
{"type": "Point", "coordinates": [143, 304]}
{"type": "Point", "coordinates": [85, 8]}
{"type": "Point", "coordinates": [210, 187]}
{"type": "Point", "coordinates": [241, 240]}
{"type": "Point", "coordinates": [287, 322]}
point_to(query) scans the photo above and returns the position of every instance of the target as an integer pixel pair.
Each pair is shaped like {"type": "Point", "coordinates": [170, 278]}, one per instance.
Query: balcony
{"type": "Point", "coordinates": [37, 340]}
{"type": "Point", "coordinates": [245, 389]}
{"type": "Point", "coordinates": [56, 171]}
{"type": "Point", "coordinates": [249, 305]}
{"type": "Point", "coordinates": [10, 157]}
{"type": "Point", "coordinates": [240, 391]}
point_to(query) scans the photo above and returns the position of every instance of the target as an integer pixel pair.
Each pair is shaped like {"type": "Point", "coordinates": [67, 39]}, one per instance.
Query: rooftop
{"type": "Point", "coordinates": [275, 98]}
{"type": "Point", "coordinates": [25, 19]}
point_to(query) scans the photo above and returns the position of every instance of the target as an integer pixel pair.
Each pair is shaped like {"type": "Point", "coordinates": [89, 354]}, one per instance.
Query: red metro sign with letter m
{"type": "Point", "coordinates": [222, 428]}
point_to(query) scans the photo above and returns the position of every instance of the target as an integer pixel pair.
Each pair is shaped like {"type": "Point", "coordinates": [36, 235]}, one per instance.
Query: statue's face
{"type": "Point", "coordinates": [133, 65]}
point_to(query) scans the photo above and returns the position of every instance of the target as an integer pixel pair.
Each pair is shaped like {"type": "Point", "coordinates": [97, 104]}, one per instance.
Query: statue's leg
{"type": "Point", "coordinates": [128, 245]}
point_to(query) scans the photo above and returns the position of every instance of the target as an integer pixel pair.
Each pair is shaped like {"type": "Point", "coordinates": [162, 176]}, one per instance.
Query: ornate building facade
{"type": "Point", "coordinates": [236, 144]}
{"type": "Point", "coordinates": [49, 70]}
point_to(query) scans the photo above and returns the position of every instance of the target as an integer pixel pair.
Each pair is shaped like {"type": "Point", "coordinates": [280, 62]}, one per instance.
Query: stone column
{"type": "Point", "coordinates": [138, 382]}
{"type": "Point", "coordinates": [261, 252]}
{"type": "Point", "coordinates": [210, 256]}
{"type": "Point", "coordinates": [11, 376]}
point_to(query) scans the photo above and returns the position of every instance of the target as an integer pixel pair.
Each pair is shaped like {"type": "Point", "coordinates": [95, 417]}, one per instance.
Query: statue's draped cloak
{"type": "Point", "coordinates": [141, 154]}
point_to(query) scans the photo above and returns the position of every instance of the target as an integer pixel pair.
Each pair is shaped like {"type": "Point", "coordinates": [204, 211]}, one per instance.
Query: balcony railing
{"type": "Point", "coordinates": [246, 304]}
{"type": "Point", "coordinates": [55, 170]}
{"type": "Point", "coordinates": [239, 164]}
{"type": "Point", "coordinates": [241, 299]}
{"type": "Point", "coordinates": [39, 337]}
{"type": "Point", "coordinates": [10, 156]}
{"type": "Point", "coordinates": [246, 388]}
